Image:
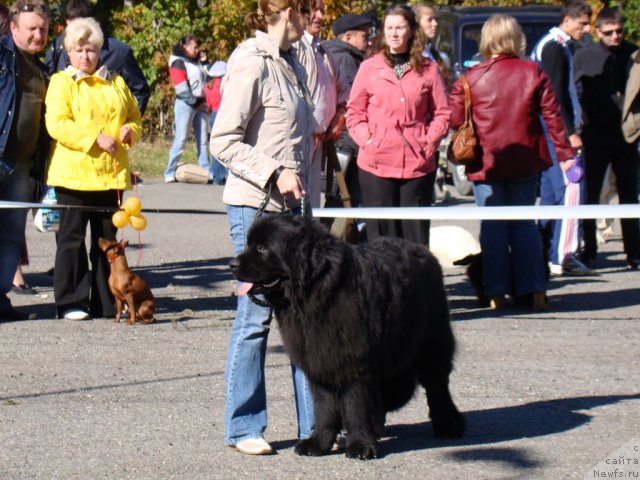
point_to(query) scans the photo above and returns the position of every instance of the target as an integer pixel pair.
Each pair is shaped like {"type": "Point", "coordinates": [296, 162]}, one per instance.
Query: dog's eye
{"type": "Point", "coordinates": [261, 249]}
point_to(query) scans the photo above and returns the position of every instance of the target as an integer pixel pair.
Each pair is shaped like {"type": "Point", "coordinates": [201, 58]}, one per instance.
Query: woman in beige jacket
{"type": "Point", "coordinates": [262, 134]}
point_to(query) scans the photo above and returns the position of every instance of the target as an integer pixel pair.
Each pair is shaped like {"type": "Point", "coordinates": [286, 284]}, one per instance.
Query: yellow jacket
{"type": "Point", "coordinates": [78, 108]}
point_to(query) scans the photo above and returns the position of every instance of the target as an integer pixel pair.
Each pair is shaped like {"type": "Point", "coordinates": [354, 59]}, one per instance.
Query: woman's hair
{"type": "Point", "coordinates": [416, 42]}
{"type": "Point", "coordinates": [268, 12]}
{"type": "Point", "coordinates": [82, 30]}
{"type": "Point", "coordinates": [420, 8]}
{"type": "Point", "coordinates": [178, 47]}
{"type": "Point", "coordinates": [502, 35]}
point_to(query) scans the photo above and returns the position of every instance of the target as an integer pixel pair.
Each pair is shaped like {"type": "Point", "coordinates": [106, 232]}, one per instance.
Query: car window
{"type": "Point", "coordinates": [470, 39]}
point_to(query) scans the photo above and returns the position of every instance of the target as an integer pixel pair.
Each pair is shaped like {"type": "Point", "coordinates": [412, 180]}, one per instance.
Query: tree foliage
{"type": "Point", "coordinates": [151, 27]}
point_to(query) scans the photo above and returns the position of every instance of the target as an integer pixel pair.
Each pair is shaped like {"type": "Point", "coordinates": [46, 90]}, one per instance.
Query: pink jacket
{"type": "Point", "coordinates": [398, 124]}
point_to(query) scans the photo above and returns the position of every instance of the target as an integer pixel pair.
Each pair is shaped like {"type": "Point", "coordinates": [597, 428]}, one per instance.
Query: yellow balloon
{"type": "Point", "coordinates": [120, 219]}
{"type": "Point", "coordinates": [132, 205]}
{"type": "Point", "coordinates": [138, 222]}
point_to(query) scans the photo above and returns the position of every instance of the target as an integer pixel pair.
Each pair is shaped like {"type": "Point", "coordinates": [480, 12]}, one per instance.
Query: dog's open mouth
{"type": "Point", "coordinates": [248, 287]}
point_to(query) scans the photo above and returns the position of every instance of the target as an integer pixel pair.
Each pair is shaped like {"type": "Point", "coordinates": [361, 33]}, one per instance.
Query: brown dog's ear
{"type": "Point", "coordinates": [125, 243]}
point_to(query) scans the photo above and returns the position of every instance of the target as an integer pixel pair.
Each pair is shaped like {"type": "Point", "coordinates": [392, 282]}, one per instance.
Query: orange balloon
{"type": "Point", "coordinates": [132, 205]}
{"type": "Point", "coordinates": [138, 222]}
{"type": "Point", "coordinates": [120, 219]}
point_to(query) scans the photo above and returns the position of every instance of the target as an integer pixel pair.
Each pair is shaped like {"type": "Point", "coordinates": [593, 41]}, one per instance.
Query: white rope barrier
{"type": "Point", "coordinates": [428, 213]}
{"type": "Point", "coordinates": [483, 213]}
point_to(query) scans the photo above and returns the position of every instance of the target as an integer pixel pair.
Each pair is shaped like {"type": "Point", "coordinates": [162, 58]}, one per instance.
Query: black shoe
{"type": "Point", "coordinates": [10, 314]}
{"type": "Point", "coordinates": [633, 263]}
{"type": "Point", "coordinates": [589, 262]}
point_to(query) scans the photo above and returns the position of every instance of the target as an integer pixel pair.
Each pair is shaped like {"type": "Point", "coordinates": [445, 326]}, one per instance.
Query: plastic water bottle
{"type": "Point", "coordinates": [576, 172]}
{"type": "Point", "coordinates": [50, 218]}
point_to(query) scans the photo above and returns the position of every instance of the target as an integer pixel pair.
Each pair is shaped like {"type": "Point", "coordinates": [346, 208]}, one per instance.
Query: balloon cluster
{"type": "Point", "coordinates": [131, 214]}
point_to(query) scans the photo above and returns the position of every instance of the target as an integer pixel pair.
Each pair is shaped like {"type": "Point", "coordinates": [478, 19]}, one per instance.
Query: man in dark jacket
{"type": "Point", "coordinates": [601, 70]}
{"type": "Point", "coordinates": [348, 51]}
{"type": "Point", "coordinates": [115, 55]}
{"type": "Point", "coordinates": [24, 143]}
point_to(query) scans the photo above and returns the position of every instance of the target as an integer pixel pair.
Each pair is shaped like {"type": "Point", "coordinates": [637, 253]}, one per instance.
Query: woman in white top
{"type": "Point", "coordinates": [262, 134]}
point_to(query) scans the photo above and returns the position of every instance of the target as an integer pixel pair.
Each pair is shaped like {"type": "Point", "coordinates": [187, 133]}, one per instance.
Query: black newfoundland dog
{"type": "Point", "coordinates": [366, 324]}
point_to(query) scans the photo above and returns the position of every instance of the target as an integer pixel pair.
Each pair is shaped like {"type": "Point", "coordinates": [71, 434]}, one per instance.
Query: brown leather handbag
{"type": "Point", "coordinates": [463, 146]}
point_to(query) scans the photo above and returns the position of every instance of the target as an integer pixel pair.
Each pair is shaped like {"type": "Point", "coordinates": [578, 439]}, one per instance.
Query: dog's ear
{"type": "Point", "coordinates": [125, 243]}
{"type": "Point", "coordinates": [104, 244]}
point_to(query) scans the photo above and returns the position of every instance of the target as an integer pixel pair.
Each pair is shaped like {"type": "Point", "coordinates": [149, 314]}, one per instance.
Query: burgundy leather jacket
{"type": "Point", "coordinates": [509, 96]}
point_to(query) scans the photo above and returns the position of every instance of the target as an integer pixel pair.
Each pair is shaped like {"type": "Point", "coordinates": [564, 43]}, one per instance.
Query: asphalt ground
{"type": "Point", "coordinates": [546, 395]}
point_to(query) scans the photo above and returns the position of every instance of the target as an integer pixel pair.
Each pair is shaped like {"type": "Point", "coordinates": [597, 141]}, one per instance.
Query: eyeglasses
{"type": "Point", "coordinates": [38, 8]}
{"type": "Point", "coordinates": [608, 33]}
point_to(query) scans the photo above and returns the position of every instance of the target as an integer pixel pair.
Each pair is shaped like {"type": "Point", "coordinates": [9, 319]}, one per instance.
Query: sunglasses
{"type": "Point", "coordinates": [40, 9]}
{"type": "Point", "coordinates": [608, 33]}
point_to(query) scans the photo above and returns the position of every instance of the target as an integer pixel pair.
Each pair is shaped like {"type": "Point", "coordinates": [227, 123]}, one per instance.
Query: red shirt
{"type": "Point", "coordinates": [212, 94]}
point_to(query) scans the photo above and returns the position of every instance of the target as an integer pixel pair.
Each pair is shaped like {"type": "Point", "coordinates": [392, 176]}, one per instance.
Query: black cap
{"type": "Point", "coordinates": [350, 22]}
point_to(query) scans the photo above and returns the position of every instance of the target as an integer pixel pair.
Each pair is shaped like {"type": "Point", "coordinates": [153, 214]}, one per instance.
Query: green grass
{"type": "Point", "coordinates": [150, 158]}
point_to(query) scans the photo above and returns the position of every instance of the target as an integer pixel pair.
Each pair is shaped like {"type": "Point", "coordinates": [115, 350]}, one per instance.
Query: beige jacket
{"type": "Point", "coordinates": [264, 122]}
{"type": "Point", "coordinates": [631, 106]}
{"type": "Point", "coordinates": [328, 85]}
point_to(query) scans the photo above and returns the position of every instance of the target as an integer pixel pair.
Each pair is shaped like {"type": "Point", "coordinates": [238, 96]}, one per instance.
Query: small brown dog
{"type": "Point", "coordinates": [126, 286]}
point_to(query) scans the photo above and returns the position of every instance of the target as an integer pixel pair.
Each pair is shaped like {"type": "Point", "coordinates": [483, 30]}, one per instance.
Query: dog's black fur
{"type": "Point", "coordinates": [366, 323]}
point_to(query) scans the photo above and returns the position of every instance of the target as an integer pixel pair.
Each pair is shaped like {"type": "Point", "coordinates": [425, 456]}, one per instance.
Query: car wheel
{"type": "Point", "coordinates": [459, 178]}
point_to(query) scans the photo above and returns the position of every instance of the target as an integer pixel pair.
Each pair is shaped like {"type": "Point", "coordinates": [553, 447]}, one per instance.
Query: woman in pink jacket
{"type": "Point", "coordinates": [398, 114]}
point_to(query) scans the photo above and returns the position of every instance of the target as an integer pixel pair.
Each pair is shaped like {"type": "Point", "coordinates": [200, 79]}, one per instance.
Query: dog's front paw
{"type": "Point", "coordinates": [361, 450]}
{"type": "Point", "coordinates": [310, 447]}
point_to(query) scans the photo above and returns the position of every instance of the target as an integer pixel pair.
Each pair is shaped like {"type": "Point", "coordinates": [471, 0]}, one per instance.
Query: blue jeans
{"type": "Point", "coordinates": [511, 249]}
{"type": "Point", "coordinates": [219, 170]}
{"type": "Point", "coordinates": [563, 234]}
{"type": "Point", "coordinates": [246, 404]}
{"type": "Point", "coordinates": [185, 117]}
{"type": "Point", "coordinates": [12, 223]}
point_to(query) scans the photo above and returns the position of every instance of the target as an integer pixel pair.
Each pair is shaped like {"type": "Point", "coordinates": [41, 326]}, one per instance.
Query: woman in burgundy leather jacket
{"type": "Point", "coordinates": [508, 96]}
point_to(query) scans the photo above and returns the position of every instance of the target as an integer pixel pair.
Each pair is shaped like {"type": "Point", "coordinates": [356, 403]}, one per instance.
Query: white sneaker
{"type": "Point", "coordinates": [169, 179]}
{"type": "Point", "coordinates": [254, 446]}
{"type": "Point", "coordinates": [555, 269]}
{"type": "Point", "coordinates": [75, 315]}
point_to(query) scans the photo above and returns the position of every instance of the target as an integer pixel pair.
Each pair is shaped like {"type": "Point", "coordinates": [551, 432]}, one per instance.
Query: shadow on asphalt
{"type": "Point", "coordinates": [503, 424]}
{"type": "Point", "coordinates": [464, 305]}
{"type": "Point", "coordinates": [495, 425]}
{"type": "Point", "coordinates": [200, 274]}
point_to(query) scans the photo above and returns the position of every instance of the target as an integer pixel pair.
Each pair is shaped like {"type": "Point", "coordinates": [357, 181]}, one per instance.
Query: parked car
{"type": "Point", "coordinates": [459, 40]}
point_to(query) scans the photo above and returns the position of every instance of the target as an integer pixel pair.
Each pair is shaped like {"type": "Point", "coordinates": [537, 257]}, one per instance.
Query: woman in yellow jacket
{"type": "Point", "coordinates": [94, 118]}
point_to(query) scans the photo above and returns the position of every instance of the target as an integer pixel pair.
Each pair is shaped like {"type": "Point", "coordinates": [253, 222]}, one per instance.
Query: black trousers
{"type": "Point", "coordinates": [601, 148]}
{"type": "Point", "coordinates": [74, 286]}
{"type": "Point", "coordinates": [397, 192]}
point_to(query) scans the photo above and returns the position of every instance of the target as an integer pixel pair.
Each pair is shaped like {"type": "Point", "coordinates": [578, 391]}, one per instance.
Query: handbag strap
{"type": "Point", "coordinates": [467, 101]}
{"type": "Point", "coordinates": [334, 165]}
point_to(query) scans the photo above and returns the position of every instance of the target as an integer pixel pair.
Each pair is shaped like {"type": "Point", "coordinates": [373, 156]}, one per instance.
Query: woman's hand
{"type": "Point", "coordinates": [575, 141]}
{"type": "Point", "coordinates": [126, 135]}
{"type": "Point", "coordinates": [567, 164]}
{"type": "Point", "coordinates": [107, 143]}
{"type": "Point", "coordinates": [289, 183]}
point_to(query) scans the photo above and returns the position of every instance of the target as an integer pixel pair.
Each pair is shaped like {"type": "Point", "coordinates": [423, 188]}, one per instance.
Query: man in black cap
{"type": "Point", "coordinates": [348, 51]}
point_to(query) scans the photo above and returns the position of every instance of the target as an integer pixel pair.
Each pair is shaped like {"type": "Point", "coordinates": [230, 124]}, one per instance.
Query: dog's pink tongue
{"type": "Point", "coordinates": [244, 288]}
